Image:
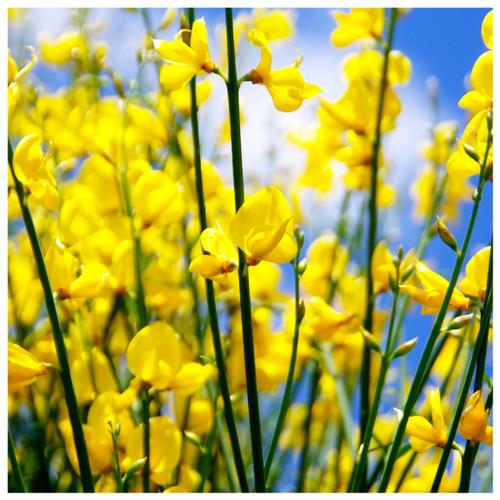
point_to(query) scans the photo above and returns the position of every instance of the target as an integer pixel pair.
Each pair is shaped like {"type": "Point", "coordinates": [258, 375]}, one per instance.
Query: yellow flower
{"type": "Point", "coordinates": [23, 367]}
{"type": "Point", "coordinates": [275, 24]}
{"type": "Point", "coordinates": [30, 167]}
{"type": "Point", "coordinates": [185, 60]}
{"type": "Point", "coordinates": [474, 284]}
{"type": "Point", "coordinates": [359, 23]}
{"type": "Point", "coordinates": [487, 30]}
{"type": "Point", "coordinates": [286, 86]}
{"type": "Point", "coordinates": [423, 434]}
{"type": "Point", "coordinates": [222, 256]}
{"type": "Point", "coordinates": [433, 292]}
{"type": "Point", "coordinates": [482, 82]}
{"type": "Point", "coordinates": [68, 46]}
{"type": "Point", "coordinates": [326, 321]}
{"type": "Point", "coordinates": [154, 356]}
{"type": "Point", "coordinates": [382, 268]}
{"type": "Point", "coordinates": [460, 165]}
{"type": "Point", "coordinates": [473, 424]}
{"type": "Point", "coordinates": [263, 228]}
{"type": "Point", "coordinates": [165, 448]}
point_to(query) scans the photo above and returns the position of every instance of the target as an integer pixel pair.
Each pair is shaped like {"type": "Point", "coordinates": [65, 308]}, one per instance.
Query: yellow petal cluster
{"type": "Point", "coordinates": [263, 227]}
{"type": "Point", "coordinates": [434, 289]}
{"type": "Point", "coordinates": [473, 424]}
{"type": "Point", "coordinates": [23, 367]}
{"type": "Point", "coordinates": [286, 86]}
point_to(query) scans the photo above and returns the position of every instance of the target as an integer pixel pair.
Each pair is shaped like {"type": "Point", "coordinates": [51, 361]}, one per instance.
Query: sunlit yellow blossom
{"type": "Point", "coordinates": [68, 46]}
{"type": "Point", "coordinates": [487, 30]}
{"type": "Point", "coordinates": [474, 284]}
{"type": "Point", "coordinates": [460, 165]}
{"type": "Point", "coordinates": [473, 423]}
{"type": "Point", "coordinates": [382, 268]}
{"type": "Point", "coordinates": [165, 447]}
{"type": "Point", "coordinates": [154, 357]}
{"type": "Point", "coordinates": [325, 321]}
{"type": "Point", "coordinates": [359, 23]}
{"type": "Point", "coordinates": [423, 434]}
{"type": "Point", "coordinates": [482, 82]}
{"type": "Point", "coordinates": [221, 257]}
{"type": "Point", "coordinates": [286, 86]}
{"type": "Point", "coordinates": [263, 227]}
{"type": "Point", "coordinates": [185, 60]}
{"type": "Point", "coordinates": [276, 24]}
{"type": "Point", "coordinates": [181, 98]}
{"type": "Point", "coordinates": [14, 75]}
{"type": "Point", "coordinates": [23, 367]}
{"type": "Point", "coordinates": [433, 292]}
{"type": "Point", "coordinates": [30, 167]}
{"type": "Point", "coordinates": [326, 261]}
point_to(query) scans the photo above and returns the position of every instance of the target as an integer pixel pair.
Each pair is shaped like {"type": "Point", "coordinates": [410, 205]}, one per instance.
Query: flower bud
{"type": "Point", "coordinates": [404, 348]}
{"type": "Point", "coordinates": [459, 322]}
{"type": "Point", "coordinates": [301, 268]}
{"type": "Point", "coordinates": [370, 341]}
{"type": "Point", "coordinates": [471, 152]}
{"type": "Point", "coordinates": [301, 312]}
{"type": "Point", "coordinates": [445, 235]}
{"type": "Point", "coordinates": [135, 467]}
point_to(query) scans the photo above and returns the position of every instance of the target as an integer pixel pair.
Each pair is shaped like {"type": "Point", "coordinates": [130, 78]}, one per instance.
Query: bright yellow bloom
{"type": "Point", "coordinates": [154, 356]}
{"type": "Point", "coordinates": [23, 367]}
{"type": "Point", "coordinates": [286, 86]}
{"type": "Point", "coordinates": [433, 292]}
{"type": "Point", "coordinates": [482, 82]}
{"type": "Point", "coordinates": [276, 24]}
{"type": "Point", "coordinates": [326, 321]}
{"type": "Point", "coordinates": [473, 424]}
{"type": "Point", "coordinates": [14, 92]}
{"type": "Point", "coordinates": [460, 165]}
{"type": "Point", "coordinates": [423, 434]}
{"type": "Point", "coordinates": [185, 60]}
{"type": "Point", "coordinates": [474, 284]}
{"type": "Point", "coordinates": [359, 23]}
{"type": "Point", "coordinates": [382, 268]}
{"type": "Point", "coordinates": [263, 228]}
{"type": "Point", "coordinates": [68, 46]}
{"type": "Point", "coordinates": [487, 30]}
{"type": "Point", "coordinates": [165, 448]}
{"type": "Point", "coordinates": [30, 167]}
{"type": "Point", "coordinates": [222, 256]}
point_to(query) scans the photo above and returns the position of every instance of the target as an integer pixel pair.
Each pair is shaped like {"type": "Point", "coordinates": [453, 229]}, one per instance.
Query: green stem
{"type": "Point", "coordinates": [285, 402]}
{"type": "Point", "coordinates": [206, 459]}
{"type": "Point", "coordinates": [212, 307]}
{"type": "Point", "coordinates": [145, 436]}
{"type": "Point", "coordinates": [416, 386]}
{"type": "Point", "coordinates": [372, 234]}
{"type": "Point", "coordinates": [360, 471]}
{"type": "Point", "coordinates": [313, 390]}
{"type": "Point", "coordinates": [65, 372]}
{"type": "Point", "coordinates": [16, 470]}
{"type": "Point", "coordinates": [468, 460]}
{"type": "Point", "coordinates": [246, 310]}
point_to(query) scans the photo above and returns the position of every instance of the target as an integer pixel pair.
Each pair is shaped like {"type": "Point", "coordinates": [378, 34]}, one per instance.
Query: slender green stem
{"type": "Point", "coordinates": [342, 398]}
{"type": "Point", "coordinates": [16, 470]}
{"type": "Point", "coordinates": [313, 390]}
{"type": "Point", "coordinates": [65, 373]}
{"type": "Point", "coordinates": [285, 402]}
{"type": "Point", "coordinates": [372, 234]}
{"type": "Point", "coordinates": [206, 459]}
{"type": "Point", "coordinates": [468, 460]}
{"type": "Point", "coordinates": [145, 436]}
{"type": "Point", "coordinates": [212, 308]}
{"type": "Point", "coordinates": [416, 386]}
{"type": "Point", "coordinates": [359, 471]}
{"type": "Point", "coordinates": [246, 310]}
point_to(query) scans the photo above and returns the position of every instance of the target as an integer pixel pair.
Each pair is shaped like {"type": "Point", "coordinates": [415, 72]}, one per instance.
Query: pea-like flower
{"type": "Point", "coordinates": [263, 228]}
{"type": "Point", "coordinates": [23, 367]}
{"type": "Point", "coordinates": [423, 434]}
{"type": "Point", "coordinates": [286, 86]}
{"type": "Point", "coordinates": [358, 24]}
{"type": "Point", "coordinates": [221, 257]}
{"type": "Point", "coordinates": [185, 60]}
{"type": "Point", "coordinates": [433, 292]}
{"type": "Point", "coordinates": [473, 423]}
{"type": "Point", "coordinates": [476, 271]}
{"type": "Point", "coordinates": [154, 356]}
